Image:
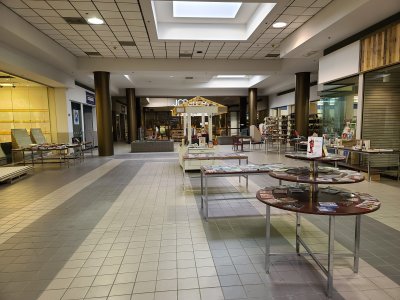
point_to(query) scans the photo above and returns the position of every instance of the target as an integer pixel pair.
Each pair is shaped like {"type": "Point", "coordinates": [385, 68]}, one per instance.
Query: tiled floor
{"type": "Point", "coordinates": [123, 228]}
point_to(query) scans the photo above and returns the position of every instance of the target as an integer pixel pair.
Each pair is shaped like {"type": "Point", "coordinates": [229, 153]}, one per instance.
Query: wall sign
{"type": "Point", "coordinates": [90, 98]}
{"type": "Point", "coordinates": [76, 116]}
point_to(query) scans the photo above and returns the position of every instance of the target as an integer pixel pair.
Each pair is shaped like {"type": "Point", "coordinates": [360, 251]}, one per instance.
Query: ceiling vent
{"type": "Point", "coordinates": [75, 20]}
{"type": "Point", "coordinates": [189, 55]}
{"type": "Point", "coordinates": [93, 53]}
{"type": "Point", "coordinates": [189, 77]}
{"type": "Point", "coordinates": [127, 43]}
{"type": "Point", "coordinates": [272, 55]}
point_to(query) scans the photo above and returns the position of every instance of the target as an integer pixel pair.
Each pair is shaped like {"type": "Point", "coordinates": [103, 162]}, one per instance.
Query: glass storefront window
{"type": "Point", "coordinates": [337, 108]}
{"type": "Point", "coordinates": [24, 104]}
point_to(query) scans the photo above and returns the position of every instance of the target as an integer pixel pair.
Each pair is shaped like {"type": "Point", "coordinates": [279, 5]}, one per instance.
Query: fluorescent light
{"type": "Point", "coordinates": [95, 21]}
{"type": "Point", "coordinates": [196, 9]}
{"type": "Point", "coordinates": [231, 76]}
{"type": "Point", "coordinates": [6, 84]}
{"type": "Point", "coordinates": [279, 24]}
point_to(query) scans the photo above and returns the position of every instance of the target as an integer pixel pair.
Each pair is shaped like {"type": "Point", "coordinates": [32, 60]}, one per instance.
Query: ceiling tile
{"type": "Point", "coordinates": [111, 14]}
{"type": "Point", "coordinates": [117, 22]}
{"type": "Point", "coordinates": [35, 20]}
{"type": "Point", "coordinates": [321, 3]}
{"type": "Point", "coordinates": [68, 13]}
{"type": "Point", "coordinates": [37, 4]}
{"type": "Point", "coordinates": [294, 11]}
{"type": "Point", "coordinates": [311, 11]}
{"type": "Point", "coordinates": [60, 4]}
{"type": "Point", "coordinates": [128, 7]}
{"type": "Point", "coordinates": [304, 3]}
{"type": "Point", "coordinates": [104, 6]}
{"type": "Point", "coordinates": [46, 12]}
{"type": "Point", "coordinates": [119, 28]}
{"type": "Point", "coordinates": [25, 12]}
{"type": "Point", "coordinates": [132, 15]}
{"type": "Point", "coordinates": [54, 20]}
{"type": "Point", "coordinates": [14, 3]}
{"type": "Point", "coordinates": [84, 5]}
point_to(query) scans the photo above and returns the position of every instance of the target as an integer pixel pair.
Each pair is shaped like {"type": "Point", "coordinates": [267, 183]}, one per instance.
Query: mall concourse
{"type": "Point", "coordinates": [197, 150]}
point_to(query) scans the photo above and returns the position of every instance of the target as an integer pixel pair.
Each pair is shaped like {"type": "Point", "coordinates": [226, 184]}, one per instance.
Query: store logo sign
{"type": "Point", "coordinates": [179, 102]}
{"type": "Point", "coordinates": [90, 98]}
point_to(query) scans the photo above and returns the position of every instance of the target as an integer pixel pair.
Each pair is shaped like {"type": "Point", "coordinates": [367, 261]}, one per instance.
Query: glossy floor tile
{"type": "Point", "coordinates": [124, 228]}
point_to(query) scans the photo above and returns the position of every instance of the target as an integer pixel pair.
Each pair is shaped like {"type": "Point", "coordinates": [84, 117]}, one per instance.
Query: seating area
{"type": "Point", "coordinates": [33, 147]}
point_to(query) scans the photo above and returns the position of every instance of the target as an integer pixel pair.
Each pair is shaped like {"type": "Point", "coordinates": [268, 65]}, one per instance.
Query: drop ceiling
{"type": "Point", "coordinates": [128, 21]}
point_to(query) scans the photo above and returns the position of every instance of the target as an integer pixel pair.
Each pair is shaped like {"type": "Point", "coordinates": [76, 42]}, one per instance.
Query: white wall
{"type": "Point", "coordinates": [78, 94]}
{"type": "Point", "coordinates": [339, 64]}
{"type": "Point", "coordinates": [288, 99]}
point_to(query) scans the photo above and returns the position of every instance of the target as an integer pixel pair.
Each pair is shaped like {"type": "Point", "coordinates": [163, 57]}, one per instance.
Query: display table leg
{"type": "Point", "coordinates": [201, 189]}
{"type": "Point", "coordinates": [267, 238]}
{"type": "Point", "coordinates": [206, 197]}
{"type": "Point", "coordinates": [369, 168]}
{"type": "Point", "coordinates": [298, 231]}
{"type": "Point", "coordinates": [357, 244]}
{"type": "Point", "coordinates": [330, 255]}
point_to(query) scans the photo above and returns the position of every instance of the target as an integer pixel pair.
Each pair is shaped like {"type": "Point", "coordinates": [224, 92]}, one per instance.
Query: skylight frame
{"type": "Point", "coordinates": [201, 9]}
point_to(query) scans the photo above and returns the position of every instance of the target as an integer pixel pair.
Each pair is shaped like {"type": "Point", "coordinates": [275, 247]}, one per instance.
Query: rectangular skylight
{"type": "Point", "coordinates": [197, 9]}
{"type": "Point", "coordinates": [231, 76]}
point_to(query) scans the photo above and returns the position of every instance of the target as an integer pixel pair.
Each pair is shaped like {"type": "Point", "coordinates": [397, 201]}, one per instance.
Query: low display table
{"type": "Point", "coordinates": [371, 153]}
{"type": "Point", "coordinates": [210, 157]}
{"type": "Point", "coordinates": [230, 171]}
{"type": "Point", "coordinates": [309, 199]}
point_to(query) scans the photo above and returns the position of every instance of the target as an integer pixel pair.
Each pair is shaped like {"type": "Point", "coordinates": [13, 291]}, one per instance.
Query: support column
{"type": "Point", "coordinates": [103, 113]}
{"type": "Point", "coordinates": [252, 107]}
{"type": "Point", "coordinates": [302, 96]}
{"type": "Point", "coordinates": [242, 113]}
{"type": "Point", "coordinates": [203, 120]}
{"type": "Point", "coordinates": [132, 115]}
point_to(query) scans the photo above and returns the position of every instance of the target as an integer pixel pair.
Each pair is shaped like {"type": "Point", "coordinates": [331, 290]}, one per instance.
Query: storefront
{"type": "Point", "coordinates": [23, 104]}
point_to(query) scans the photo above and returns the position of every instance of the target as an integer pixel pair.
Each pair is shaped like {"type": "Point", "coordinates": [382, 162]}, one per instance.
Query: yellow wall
{"type": "Point", "coordinates": [24, 107]}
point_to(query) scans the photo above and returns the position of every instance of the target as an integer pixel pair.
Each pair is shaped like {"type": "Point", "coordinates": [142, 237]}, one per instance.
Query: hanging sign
{"type": "Point", "coordinates": [90, 98]}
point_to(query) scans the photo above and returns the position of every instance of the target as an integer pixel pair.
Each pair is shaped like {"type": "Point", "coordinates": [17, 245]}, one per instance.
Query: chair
{"type": "Point", "coordinates": [3, 157]}
{"type": "Point", "coordinates": [37, 136]}
{"type": "Point", "coordinates": [236, 142]}
{"type": "Point", "coordinates": [20, 139]}
{"type": "Point", "coordinates": [256, 138]}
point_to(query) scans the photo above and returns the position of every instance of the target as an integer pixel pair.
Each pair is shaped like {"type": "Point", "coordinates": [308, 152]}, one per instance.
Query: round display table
{"type": "Point", "coordinates": [309, 199]}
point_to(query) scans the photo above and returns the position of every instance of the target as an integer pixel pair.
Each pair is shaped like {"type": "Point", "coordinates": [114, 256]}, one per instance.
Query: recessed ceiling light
{"type": "Point", "coordinates": [127, 76]}
{"type": "Point", "coordinates": [171, 76]}
{"type": "Point", "coordinates": [199, 9]}
{"type": "Point", "coordinates": [279, 24]}
{"type": "Point", "coordinates": [231, 76]}
{"type": "Point", "coordinates": [95, 21]}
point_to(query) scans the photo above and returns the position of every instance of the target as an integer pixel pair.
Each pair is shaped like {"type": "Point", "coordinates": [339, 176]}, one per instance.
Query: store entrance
{"type": "Point", "coordinates": [76, 120]}
{"type": "Point", "coordinates": [88, 123]}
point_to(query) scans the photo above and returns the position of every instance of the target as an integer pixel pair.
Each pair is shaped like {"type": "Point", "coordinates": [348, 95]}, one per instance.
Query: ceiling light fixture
{"type": "Point", "coordinates": [7, 84]}
{"type": "Point", "coordinates": [199, 9]}
{"type": "Point", "coordinates": [279, 24]}
{"type": "Point", "coordinates": [95, 21]}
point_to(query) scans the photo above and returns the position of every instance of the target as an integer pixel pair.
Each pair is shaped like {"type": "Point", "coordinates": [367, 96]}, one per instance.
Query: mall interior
{"type": "Point", "coordinates": [114, 114]}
